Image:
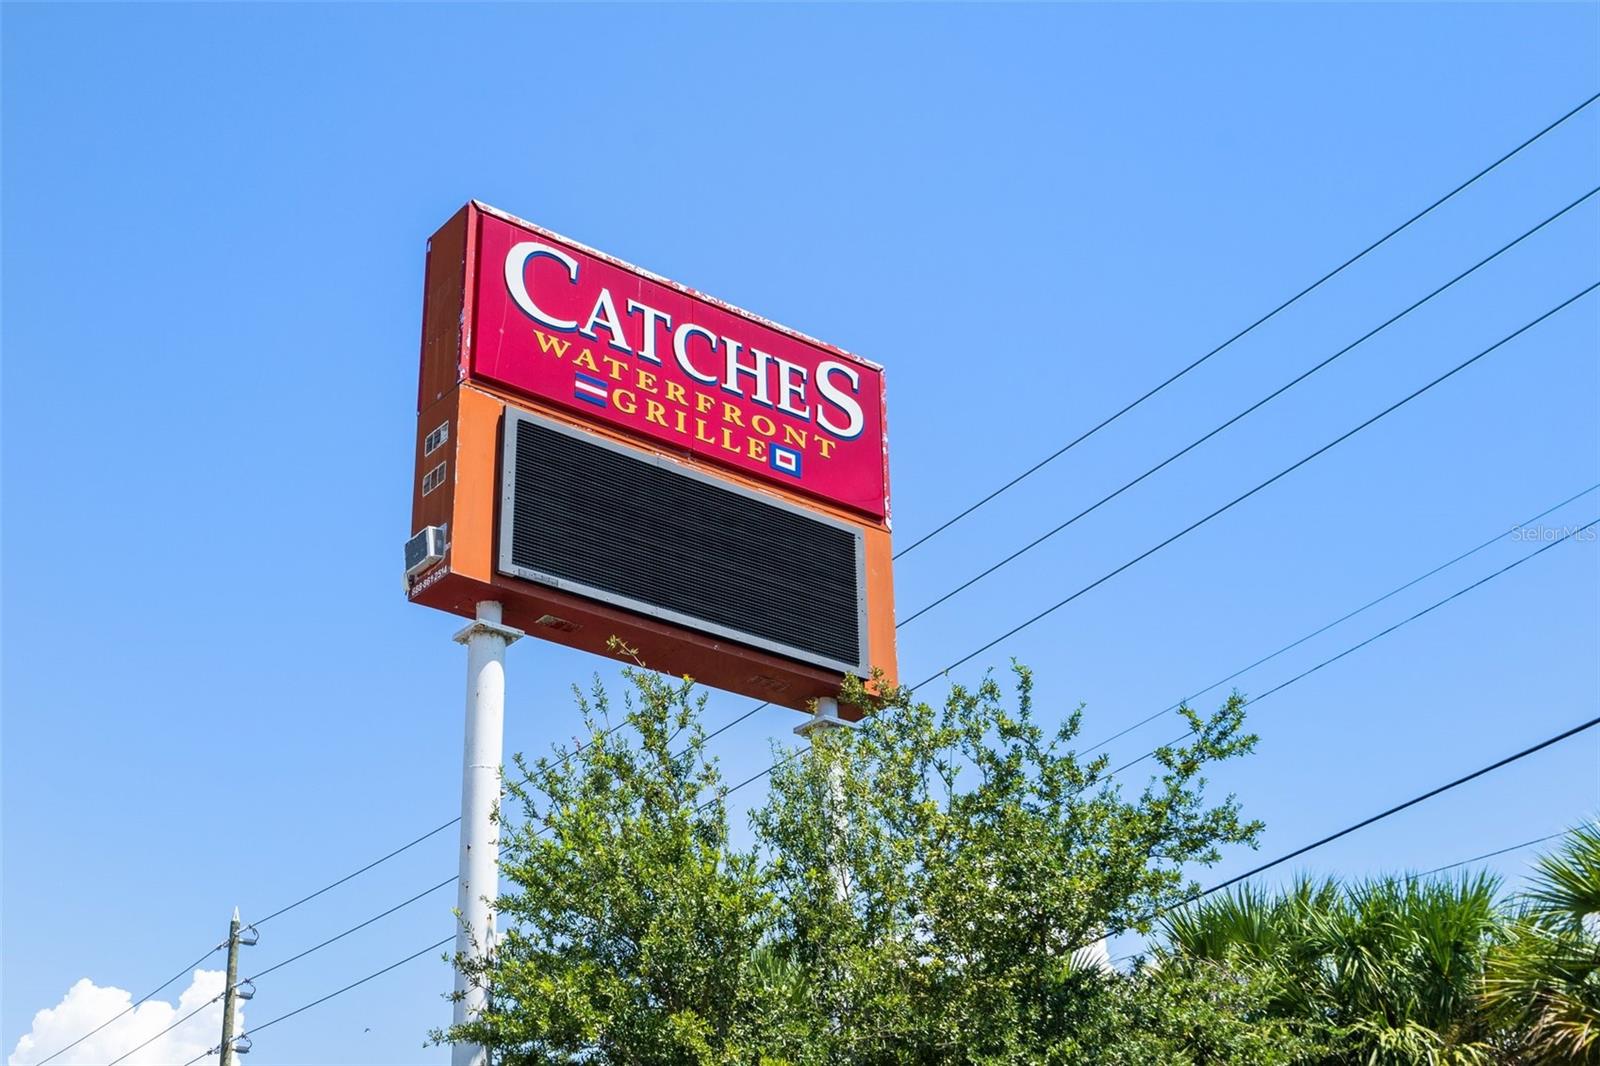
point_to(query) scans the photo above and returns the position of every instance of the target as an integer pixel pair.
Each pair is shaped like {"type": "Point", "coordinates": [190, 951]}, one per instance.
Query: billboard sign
{"type": "Point", "coordinates": [607, 454]}
{"type": "Point", "coordinates": [614, 344]}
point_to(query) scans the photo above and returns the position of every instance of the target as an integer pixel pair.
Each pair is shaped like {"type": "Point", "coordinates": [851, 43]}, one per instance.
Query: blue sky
{"type": "Point", "coordinates": [214, 219]}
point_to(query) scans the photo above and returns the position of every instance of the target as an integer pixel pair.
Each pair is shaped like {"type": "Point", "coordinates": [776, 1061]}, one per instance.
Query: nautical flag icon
{"type": "Point", "coordinates": [590, 389]}
{"type": "Point", "coordinates": [786, 460]}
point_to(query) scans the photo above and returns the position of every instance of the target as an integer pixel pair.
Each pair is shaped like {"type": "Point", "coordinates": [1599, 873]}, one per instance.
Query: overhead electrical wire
{"type": "Point", "coordinates": [1459, 188]}
{"type": "Point", "coordinates": [280, 965]}
{"type": "Point", "coordinates": [152, 1039]}
{"type": "Point", "coordinates": [736, 720]}
{"type": "Point", "coordinates": [1275, 477]}
{"type": "Point", "coordinates": [1035, 468]}
{"type": "Point", "coordinates": [1372, 820]}
{"type": "Point", "coordinates": [1276, 688]}
{"type": "Point", "coordinates": [1428, 873]}
{"type": "Point", "coordinates": [354, 928]}
{"type": "Point", "coordinates": [253, 1030]}
{"type": "Point", "coordinates": [357, 873]}
{"type": "Point", "coordinates": [1568, 535]}
{"type": "Point", "coordinates": [186, 971]}
{"type": "Point", "coordinates": [1238, 499]}
{"type": "Point", "coordinates": [1396, 809]}
{"type": "Point", "coordinates": [1342, 618]}
{"type": "Point", "coordinates": [1268, 398]}
{"type": "Point", "coordinates": [1486, 855]}
{"type": "Point", "coordinates": [1225, 507]}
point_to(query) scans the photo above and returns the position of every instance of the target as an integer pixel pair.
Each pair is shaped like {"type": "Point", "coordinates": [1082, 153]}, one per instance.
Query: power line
{"type": "Point", "coordinates": [435, 831]}
{"type": "Point", "coordinates": [758, 707]}
{"type": "Point", "coordinates": [354, 928]}
{"type": "Point", "coordinates": [1568, 535]}
{"type": "Point", "coordinates": [725, 726]}
{"type": "Point", "coordinates": [1428, 873]}
{"type": "Point", "coordinates": [163, 1032]}
{"type": "Point", "coordinates": [761, 706]}
{"type": "Point", "coordinates": [1275, 477]}
{"type": "Point", "coordinates": [1337, 621]}
{"type": "Point", "coordinates": [1276, 688]}
{"type": "Point", "coordinates": [1035, 468]}
{"type": "Point", "coordinates": [1396, 809]}
{"type": "Point", "coordinates": [374, 863]}
{"type": "Point", "coordinates": [449, 881]}
{"type": "Point", "coordinates": [285, 962]}
{"type": "Point", "coordinates": [132, 1006]}
{"type": "Point", "coordinates": [1380, 816]}
{"type": "Point", "coordinates": [1263, 660]}
{"type": "Point", "coordinates": [1274, 394]}
{"type": "Point", "coordinates": [1197, 524]}
{"type": "Point", "coordinates": [350, 876]}
{"type": "Point", "coordinates": [254, 1029]}
{"type": "Point", "coordinates": [1487, 855]}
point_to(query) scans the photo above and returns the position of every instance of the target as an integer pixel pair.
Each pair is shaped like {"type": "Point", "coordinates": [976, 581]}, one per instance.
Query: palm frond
{"type": "Point", "coordinates": [1567, 882]}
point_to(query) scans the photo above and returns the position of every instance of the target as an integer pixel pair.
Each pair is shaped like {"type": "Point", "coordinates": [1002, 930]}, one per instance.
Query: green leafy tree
{"type": "Point", "coordinates": [1196, 1013]}
{"type": "Point", "coordinates": [926, 888]}
{"type": "Point", "coordinates": [1543, 982]}
{"type": "Point", "coordinates": [634, 931]}
{"type": "Point", "coordinates": [935, 886]}
{"type": "Point", "coordinates": [940, 874]}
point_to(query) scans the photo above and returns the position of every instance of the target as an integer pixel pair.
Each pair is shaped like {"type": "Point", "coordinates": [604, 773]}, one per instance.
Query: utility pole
{"type": "Point", "coordinates": [486, 640]}
{"type": "Point", "coordinates": [824, 717]}
{"type": "Point", "coordinates": [228, 999]}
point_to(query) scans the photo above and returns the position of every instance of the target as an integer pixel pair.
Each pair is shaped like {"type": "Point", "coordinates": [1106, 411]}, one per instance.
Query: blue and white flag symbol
{"type": "Point", "coordinates": [590, 389]}
{"type": "Point", "coordinates": [784, 460]}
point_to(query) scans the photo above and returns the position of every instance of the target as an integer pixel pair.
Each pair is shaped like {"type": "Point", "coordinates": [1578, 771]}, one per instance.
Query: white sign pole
{"type": "Point", "coordinates": [486, 640]}
{"type": "Point", "coordinates": [825, 716]}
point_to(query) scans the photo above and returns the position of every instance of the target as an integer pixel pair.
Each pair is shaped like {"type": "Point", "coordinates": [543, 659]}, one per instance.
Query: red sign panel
{"type": "Point", "coordinates": [581, 330]}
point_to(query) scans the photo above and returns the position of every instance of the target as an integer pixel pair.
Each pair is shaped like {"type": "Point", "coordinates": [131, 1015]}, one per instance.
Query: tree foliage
{"type": "Point", "coordinates": [635, 931]}
{"type": "Point", "coordinates": [941, 873]}
{"type": "Point", "coordinates": [1416, 970]}
{"type": "Point", "coordinates": [1543, 984]}
{"type": "Point", "coordinates": [1382, 972]}
{"type": "Point", "coordinates": [937, 884]}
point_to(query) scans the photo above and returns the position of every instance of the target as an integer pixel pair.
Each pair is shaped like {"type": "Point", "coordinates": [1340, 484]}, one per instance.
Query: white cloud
{"type": "Point", "coordinates": [87, 1005]}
